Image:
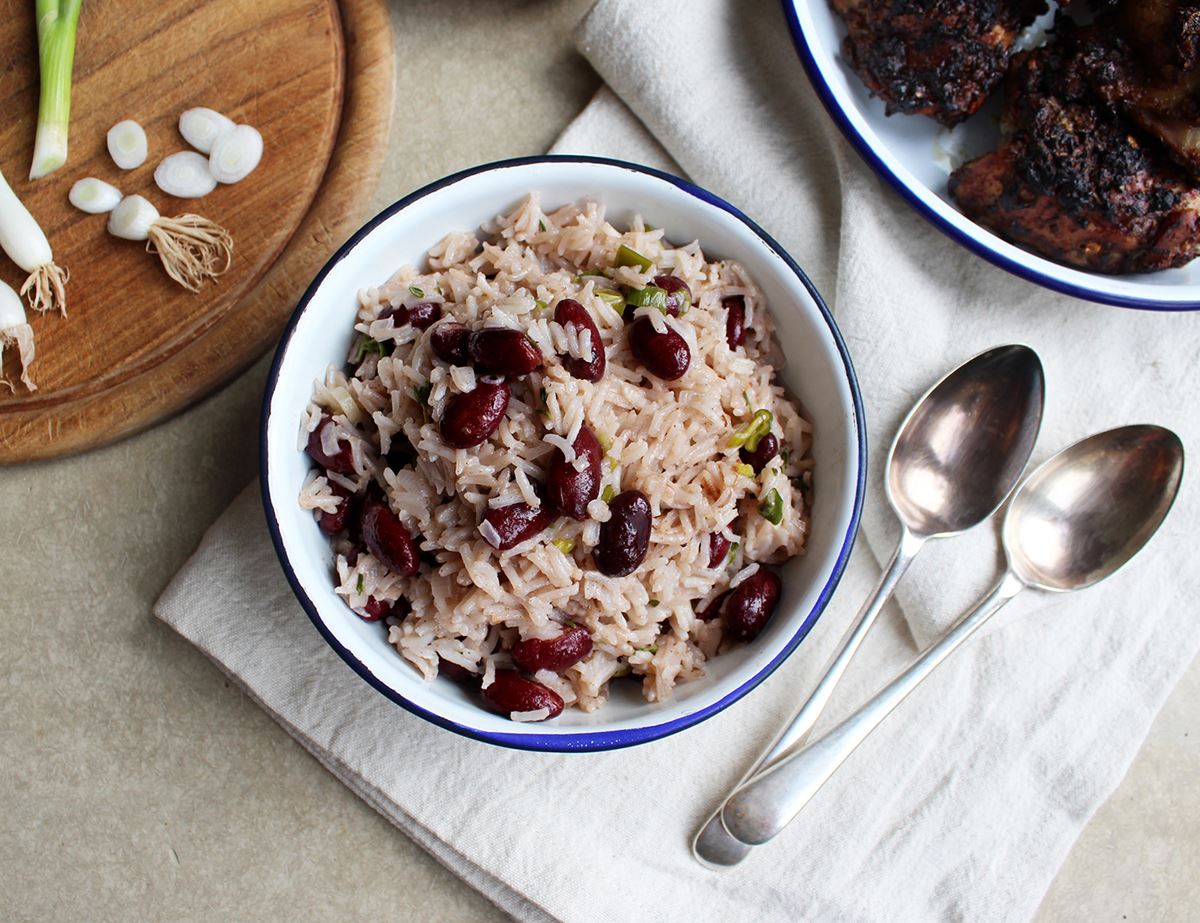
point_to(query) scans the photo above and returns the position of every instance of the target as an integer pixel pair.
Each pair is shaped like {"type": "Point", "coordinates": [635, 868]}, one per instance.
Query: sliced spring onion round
{"type": "Point", "coordinates": [626, 256]}
{"type": "Point", "coordinates": [235, 154]}
{"type": "Point", "coordinates": [649, 297]}
{"type": "Point", "coordinates": [132, 218]}
{"type": "Point", "coordinates": [201, 127]}
{"type": "Point", "coordinates": [94, 196]}
{"type": "Point", "coordinates": [127, 144]}
{"type": "Point", "coordinates": [185, 175]}
{"type": "Point", "coordinates": [748, 435]}
{"type": "Point", "coordinates": [772, 507]}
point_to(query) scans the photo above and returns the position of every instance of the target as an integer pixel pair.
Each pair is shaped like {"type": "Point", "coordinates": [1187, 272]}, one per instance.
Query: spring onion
{"type": "Point", "coordinates": [127, 144]}
{"type": "Point", "coordinates": [629, 257]}
{"type": "Point", "coordinates": [649, 650]}
{"type": "Point", "coordinates": [56, 24]}
{"type": "Point", "coordinates": [608, 493]}
{"type": "Point", "coordinates": [565, 545]}
{"type": "Point", "coordinates": [653, 604]}
{"type": "Point", "coordinates": [201, 127]}
{"type": "Point", "coordinates": [649, 297]}
{"type": "Point", "coordinates": [361, 585]}
{"type": "Point", "coordinates": [733, 550]}
{"type": "Point", "coordinates": [22, 239]}
{"type": "Point", "coordinates": [748, 435]}
{"type": "Point", "coordinates": [15, 331]}
{"type": "Point", "coordinates": [614, 300]}
{"type": "Point", "coordinates": [772, 507]}
{"type": "Point", "coordinates": [744, 470]}
{"type": "Point", "coordinates": [192, 249]}
{"type": "Point", "coordinates": [605, 441]}
{"type": "Point", "coordinates": [367, 346]}
{"type": "Point", "coordinates": [422, 393]}
{"type": "Point", "coordinates": [185, 175]}
{"type": "Point", "coordinates": [235, 154]}
{"type": "Point", "coordinates": [94, 196]}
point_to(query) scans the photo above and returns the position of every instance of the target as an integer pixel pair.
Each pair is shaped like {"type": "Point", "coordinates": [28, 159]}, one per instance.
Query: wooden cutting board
{"type": "Point", "coordinates": [316, 78]}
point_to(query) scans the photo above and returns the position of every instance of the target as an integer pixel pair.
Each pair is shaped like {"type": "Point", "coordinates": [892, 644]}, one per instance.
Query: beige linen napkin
{"type": "Point", "coordinates": [964, 804]}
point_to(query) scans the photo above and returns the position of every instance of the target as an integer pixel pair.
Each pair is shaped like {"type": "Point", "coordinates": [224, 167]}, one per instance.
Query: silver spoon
{"type": "Point", "coordinates": [957, 456]}
{"type": "Point", "coordinates": [1076, 520]}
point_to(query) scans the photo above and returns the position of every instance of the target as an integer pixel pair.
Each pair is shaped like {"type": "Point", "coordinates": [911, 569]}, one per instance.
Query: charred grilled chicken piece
{"type": "Point", "coordinates": [1071, 182]}
{"type": "Point", "coordinates": [939, 58]}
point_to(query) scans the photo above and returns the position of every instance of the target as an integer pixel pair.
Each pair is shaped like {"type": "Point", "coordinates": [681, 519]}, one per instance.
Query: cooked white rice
{"type": "Point", "coordinates": [666, 439]}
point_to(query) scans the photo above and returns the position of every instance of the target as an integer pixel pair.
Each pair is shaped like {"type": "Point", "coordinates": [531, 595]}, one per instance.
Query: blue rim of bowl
{"type": "Point", "coordinates": [867, 152]}
{"type": "Point", "coordinates": [584, 741]}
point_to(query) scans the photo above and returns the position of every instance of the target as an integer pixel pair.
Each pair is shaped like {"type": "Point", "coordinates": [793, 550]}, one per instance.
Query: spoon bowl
{"type": "Point", "coordinates": [1084, 513]}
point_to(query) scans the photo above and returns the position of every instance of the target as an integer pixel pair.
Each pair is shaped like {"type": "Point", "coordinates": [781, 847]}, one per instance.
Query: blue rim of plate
{"type": "Point", "coordinates": [867, 152]}
{"type": "Point", "coordinates": [584, 741]}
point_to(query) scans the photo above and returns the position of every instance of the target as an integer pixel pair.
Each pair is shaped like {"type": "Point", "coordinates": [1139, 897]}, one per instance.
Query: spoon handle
{"type": "Point", "coordinates": [758, 810]}
{"type": "Point", "coordinates": [712, 845]}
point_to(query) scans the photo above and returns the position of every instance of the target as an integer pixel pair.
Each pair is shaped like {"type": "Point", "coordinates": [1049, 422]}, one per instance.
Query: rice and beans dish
{"type": "Point", "coordinates": [559, 456]}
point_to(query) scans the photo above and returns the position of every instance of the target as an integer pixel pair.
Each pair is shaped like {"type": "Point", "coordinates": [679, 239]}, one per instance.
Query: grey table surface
{"type": "Point", "coordinates": [139, 784]}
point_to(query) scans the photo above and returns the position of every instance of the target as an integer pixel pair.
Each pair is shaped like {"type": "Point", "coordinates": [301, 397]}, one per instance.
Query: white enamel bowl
{"type": "Point", "coordinates": [902, 150]}
{"type": "Point", "coordinates": [819, 373]}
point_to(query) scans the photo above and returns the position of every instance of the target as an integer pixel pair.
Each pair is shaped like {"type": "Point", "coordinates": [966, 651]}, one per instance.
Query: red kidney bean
{"type": "Point", "coordinates": [751, 605]}
{"type": "Point", "coordinates": [664, 354]}
{"type": "Point", "coordinates": [400, 453]}
{"type": "Point", "coordinates": [503, 352]}
{"type": "Point", "coordinates": [625, 538]}
{"type": "Point", "coordinates": [679, 296]}
{"type": "Point", "coordinates": [342, 461]}
{"type": "Point", "coordinates": [375, 610]}
{"type": "Point", "coordinates": [735, 320]}
{"type": "Point", "coordinates": [335, 522]}
{"type": "Point", "coordinates": [455, 671]}
{"type": "Point", "coordinates": [718, 549]}
{"type": "Point", "coordinates": [398, 314]}
{"type": "Point", "coordinates": [510, 692]}
{"type": "Point", "coordinates": [424, 314]}
{"type": "Point", "coordinates": [713, 609]}
{"type": "Point", "coordinates": [518, 522]}
{"type": "Point", "coordinates": [386, 536]}
{"type": "Point", "coordinates": [568, 489]}
{"type": "Point", "coordinates": [572, 312]}
{"type": "Point", "coordinates": [470, 418]}
{"type": "Point", "coordinates": [449, 342]}
{"type": "Point", "coordinates": [768, 448]}
{"type": "Point", "coordinates": [555, 654]}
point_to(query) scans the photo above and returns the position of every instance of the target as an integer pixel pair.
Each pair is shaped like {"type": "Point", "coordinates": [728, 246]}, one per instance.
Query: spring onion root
{"type": "Point", "coordinates": [127, 144]}
{"type": "Point", "coordinates": [22, 239]}
{"type": "Point", "coordinates": [15, 331]}
{"type": "Point", "coordinates": [192, 249]}
{"type": "Point", "coordinates": [56, 24]}
{"type": "Point", "coordinates": [201, 127]}
{"type": "Point", "coordinates": [185, 175]}
{"type": "Point", "coordinates": [94, 196]}
{"type": "Point", "coordinates": [235, 154]}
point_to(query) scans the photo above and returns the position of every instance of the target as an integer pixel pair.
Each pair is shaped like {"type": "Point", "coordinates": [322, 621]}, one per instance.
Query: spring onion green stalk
{"type": "Point", "coordinates": [629, 257]}
{"type": "Point", "coordinates": [605, 441]}
{"type": "Point", "coordinates": [22, 239]}
{"type": "Point", "coordinates": [15, 331]}
{"type": "Point", "coordinates": [608, 493]}
{"type": "Point", "coordinates": [772, 507]}
{"type": "Point", "coordinates": [94, 196]}
{"type": "Point", "coordinates": [748, 435]}
{"type": "Point", "coordinates": [56, 24]}
{"type": "Point", "coordinates": [565, 545]}
{"type": "Point", "coordinates": [744, 470]}
{"type": "Point", "coordinates": [191, 249]}
{"type": "Point", "coordinates": [733, 550]}
{"type": "Point", "coordinates": [649, 297]}
{"type": "Point", "coordinates": [615, 300]}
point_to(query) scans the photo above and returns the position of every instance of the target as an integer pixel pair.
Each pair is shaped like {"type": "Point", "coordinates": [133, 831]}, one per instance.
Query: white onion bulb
{"type": "Point", "coordinates": [201, 127]}
{"type": "Point", "coordinates": [94, 196]}
{"type": "Point", "coordinates": [127, 144]}
{"type": "Point", "coordinates": [235, 154]}
{"type": "Point", "coordinates": [185, 175]}
{"type": "Point", "coordinates": [132, 218]}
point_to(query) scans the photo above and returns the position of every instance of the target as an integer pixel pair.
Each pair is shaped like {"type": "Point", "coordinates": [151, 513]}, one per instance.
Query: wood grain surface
{"type": "Point", "coordinates": [314, 76]}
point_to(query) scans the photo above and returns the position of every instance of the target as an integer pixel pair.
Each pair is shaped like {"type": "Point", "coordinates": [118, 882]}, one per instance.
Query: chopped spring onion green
{"type": "Point", "coordinates": [651, 650]}
{"type": "Point", "coordinates": [419, 292]}
{"type": "Point", "coordinates": [235, 154]}
{"type": "Point", "coordinates": [772, 507]}
{"type": "Point", "coordinates": [582, 278]}
{"type": "Point", "coordinates": [733, 550]}
{"type": "Point", "coordinates": [94, 196]}
{"type": "Point", "coordinates": [649, 297]}
{"type": "Point", "coordinates": [746, 398]}
{"type": "Point", "coordinates": [22, 239]}
{"type": "Point", "coordinates": [786, 454]}
{"type": "Point", "coordinates": [127, 144]}
{"type": "Point", "coordinates": [629, 257]}
{"type": "Point", "coordinates": [359, 586]}
{"type": "Point", "coordinates": [545, 402]}
{"type": "Point", "coordinates": [653, 604]}
{"type": "Point", "coordinates": [56, 25]}
{"type": "Point", "coordinates": [748, 435]}
{"type": "Point", "coordinates": [422, 393]}
{"type": "Point", "coordinates": [541, 225]}
{"type": "Point", "coordinates": [565, 545]}
{"type": "Point", "coordinates": [540, 305]}
{"type": "Point", "coordinates": [184, 175]}
{"type": "Point", "coordinates": [744, 470]}
{"type": "Point", "coordinates": [15, 331]}
{"type": "Point", "coordinates": [201, 127]}
{"type": "Point", "coordinates": [608, 492]}
{"type": "Point", "coordinates": [612, 462]}
{"type": "Point", "coordinates": [605, 441]}
{"type": "Point", "coordinates": [368, 347]}
{"type": "Point", "coordinates": [615, 300]}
